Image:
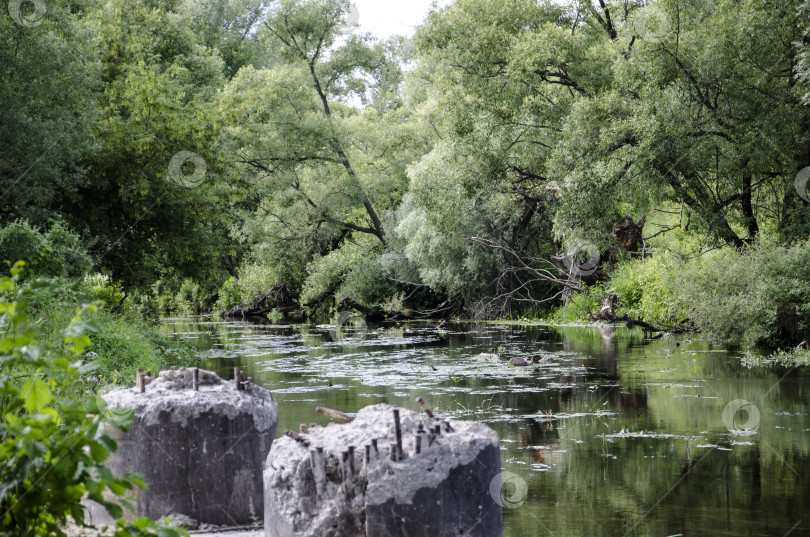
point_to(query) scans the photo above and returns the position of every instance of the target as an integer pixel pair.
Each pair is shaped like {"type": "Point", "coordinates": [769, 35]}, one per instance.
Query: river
{"type": "Point", "coordinates": [612, 435]}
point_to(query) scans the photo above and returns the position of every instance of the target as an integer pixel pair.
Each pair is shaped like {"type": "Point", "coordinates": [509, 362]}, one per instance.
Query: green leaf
{"type": "Point", "coordinates": [36, 395]}
{"type": "Point", "coordinates": [96, 405]}
{"type": "Point", "coordinates": [121, 417]}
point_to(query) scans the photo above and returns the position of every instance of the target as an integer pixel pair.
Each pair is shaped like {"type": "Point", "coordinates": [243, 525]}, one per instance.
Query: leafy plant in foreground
{"type": "Point", "coordinates": [52, 439]}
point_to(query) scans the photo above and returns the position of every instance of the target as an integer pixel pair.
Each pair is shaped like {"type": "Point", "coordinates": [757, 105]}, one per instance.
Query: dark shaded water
{"type": "Point", "coordinates": [614, 435]}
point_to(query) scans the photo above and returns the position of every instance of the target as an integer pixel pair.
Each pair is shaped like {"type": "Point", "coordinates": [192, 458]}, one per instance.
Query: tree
{"type": "Point", "coordinates": [325, 138]}
{"type": "Point", "coordinates": [292, 128]}
{"type": "Point", "coordinates": [702, 110]}
{"type": "Point", "coordinates": [229, 26]}
{"type": "Point", "coordinates": [48, 84]}
{"type": "Point", "coordinates": [157, 103]}
{"type": "Point", "coordinates": [505, 76]}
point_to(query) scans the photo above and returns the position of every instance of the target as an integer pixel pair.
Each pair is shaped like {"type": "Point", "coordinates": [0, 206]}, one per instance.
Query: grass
{"type": "Point", "coordinates": [122, 342]}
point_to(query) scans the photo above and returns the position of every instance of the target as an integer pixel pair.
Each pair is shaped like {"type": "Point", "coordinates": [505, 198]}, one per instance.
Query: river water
{"type": "Point", "coordinates": [613, 434]}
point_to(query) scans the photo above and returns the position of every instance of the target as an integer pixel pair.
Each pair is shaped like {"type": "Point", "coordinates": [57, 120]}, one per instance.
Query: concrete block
{"type": "Point", "coordinates": [333, 481]}
{"type": "Point", "coordinates": [201, 452]}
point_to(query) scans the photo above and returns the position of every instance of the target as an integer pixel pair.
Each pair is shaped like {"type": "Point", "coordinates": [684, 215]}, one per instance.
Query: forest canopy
{"type": "Point", "coordinates": [510, 158]}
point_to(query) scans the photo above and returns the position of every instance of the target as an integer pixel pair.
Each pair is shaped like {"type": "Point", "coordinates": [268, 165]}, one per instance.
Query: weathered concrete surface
{"type": "Point", "coordinates": [442, 491]}
{"type": "Point", "coordinates": [201, 453]}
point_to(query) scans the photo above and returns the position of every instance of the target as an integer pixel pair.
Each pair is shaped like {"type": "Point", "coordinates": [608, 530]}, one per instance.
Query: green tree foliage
{"type": "Point", "coordinates": [325, 138]}
{"type": "Point", "coordinates": [57, 252]}
{"type": "Point", "coordinates": [158, 84]}
{"type": "Point", "coordinates": [701, 108]}
{"type": "Point", "coordinates": [48, 83]}
{"type": "Point", "coordinates": [229, 26]}
{"type": "Point", "coordinates": [53, 441]}
{"type": "Point", "coordinates": [401, 174]}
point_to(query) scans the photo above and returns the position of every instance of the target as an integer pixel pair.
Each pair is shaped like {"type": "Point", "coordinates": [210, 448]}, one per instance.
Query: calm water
{"type": "Point", "coordinates": [613, 435]}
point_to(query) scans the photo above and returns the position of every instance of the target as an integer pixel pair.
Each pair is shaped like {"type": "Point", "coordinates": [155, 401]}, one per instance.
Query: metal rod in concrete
{"type": "Point", "coordinates": [393, 452]}
{"type": "Point", "coordinates": [195, 379]}
{"type": "Point", "coordinates": [139, 380]}
{"type": "Point", "coordinates": [344, 459]}
{"type": "Point", "coordinates": [397, 431]}
{"type": "Point", "coordinates": [318, 470]}
{"type": "Point", "coordinates": [425, 407]}
{"type": "Point", "coordinates": [374, 445]}
{"type": "Point", "coordinates": [368, 456]}
{"type": "Point", "coordinates": [239, 378]}
{"type": "Point", "coordinates": [348, 472]}
{"type": "Point", "coordinates": [351, 459]}
{"type": "Point", "coordinates": [334, 414]}
{"type": "Point", "coordinates": [418, 444]}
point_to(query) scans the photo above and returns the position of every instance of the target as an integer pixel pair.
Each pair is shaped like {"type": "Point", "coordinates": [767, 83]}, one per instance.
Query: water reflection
{"type": "Point", "coordinates": [614, 434]}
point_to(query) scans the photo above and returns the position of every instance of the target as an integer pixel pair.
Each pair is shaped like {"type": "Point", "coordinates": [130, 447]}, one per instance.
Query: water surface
{"type": "Point", "coordinates": [614, 434]}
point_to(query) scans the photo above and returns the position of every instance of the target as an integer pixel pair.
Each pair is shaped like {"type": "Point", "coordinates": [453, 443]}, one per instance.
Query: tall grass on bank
{"type": "Point", "coordinates": [124, 341]}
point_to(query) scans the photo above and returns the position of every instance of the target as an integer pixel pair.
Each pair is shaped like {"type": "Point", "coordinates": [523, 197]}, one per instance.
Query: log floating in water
{"type": "Point", "coordinates": [334, 414]}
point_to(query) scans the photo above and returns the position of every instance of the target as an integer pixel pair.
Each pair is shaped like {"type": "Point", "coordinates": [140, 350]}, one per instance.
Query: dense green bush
{"type": "Point", "coordinates": [52, 437]}
{"type": "Point", "coordinates": [255, 280]}
{"type": "Point", "coordinates": [104, 289]}
{"type": "Point", "coordinates": [229, 295]}
{"type": "Point", "coordinates": [646, 289]}
{"type": "Point", "coordinates": [351, 272]}
{"type": "Point", "coordinates": [758, 296]}
{"type": "Point", "coordinates": [55, 252]}
{"type": "Point", "coordinates": [581, 306]}
{"type": "Point", "coordinates": [189, 298]}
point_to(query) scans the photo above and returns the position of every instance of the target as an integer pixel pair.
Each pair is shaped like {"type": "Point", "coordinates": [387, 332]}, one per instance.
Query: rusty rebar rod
{"type": "Point", "coordinates": [195, 379]}
{"type": "Point", "coordinates": [397, 432]}
{"type": "Point", "coordinates": [425, 407]}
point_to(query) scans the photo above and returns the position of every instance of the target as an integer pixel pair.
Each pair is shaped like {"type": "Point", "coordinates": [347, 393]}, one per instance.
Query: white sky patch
{"type": "Point", "coordinates": [384, 18]}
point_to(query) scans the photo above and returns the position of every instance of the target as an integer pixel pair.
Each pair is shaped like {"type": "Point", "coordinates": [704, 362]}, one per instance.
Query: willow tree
{"type": "Point", "coordinates": [505, 76]}
{"type": "Point", "coordinates": [703, 111]}
{"type": "Point", "coordinates": [323, 136]}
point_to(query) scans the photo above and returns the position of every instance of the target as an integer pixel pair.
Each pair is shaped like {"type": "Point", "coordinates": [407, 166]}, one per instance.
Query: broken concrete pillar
{"type": "Point", "coordinates": [201, 452]}
{"type": "Point", "coordinates": [317, 485]}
